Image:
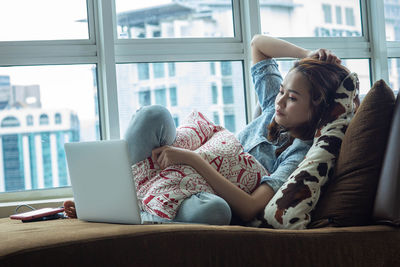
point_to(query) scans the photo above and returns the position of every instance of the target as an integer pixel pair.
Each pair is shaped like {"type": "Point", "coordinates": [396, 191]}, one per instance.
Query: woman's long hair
{"type": "Point", "coordinates": [324, 79]}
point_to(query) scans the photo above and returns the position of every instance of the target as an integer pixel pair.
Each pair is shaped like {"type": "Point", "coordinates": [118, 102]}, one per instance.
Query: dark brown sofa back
{"type": "Point", "coordinates": [387, 201]}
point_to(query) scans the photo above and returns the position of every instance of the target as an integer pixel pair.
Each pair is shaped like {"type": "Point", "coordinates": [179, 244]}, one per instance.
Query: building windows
{"type": "Point", "coordinates": [57, 118]}
{"type": "Point", "coordinates": [171, 69]}
{"type": "Point", "coordinates": [13, 160]}
{"type": "Point", "coordinates": [226, 68]}
{"type": "Point", "coordinates": [176, 120]}
{"type": "Point", "coordinates": [44, 119]}
{"type": "Point", "coordinates": [144, 98]}
{"type": "Point", "coordinates": [46, 159]}
{"type": "Point", "coordinates": [227, 94]}
{"type": "Point", "coordinates": [10, 121]}
{"type": "Point", "coordinates": [349, 13]}
{"type": "Point", "coordinates": [214, 93]}
{"type": "Point", "coordinates": [158, 69]}
{"type": "Point", "coordinates": [160, 96]}
{"type": "Point", "coordinates": [338, 14]}
{"type": "Point", "coordinates": [230, 122]}
{"type": "Point", "coordinates": [29, 120]}
{"type": "Point", "coordinates": [173, 98]}
{"type": "Point", "coordinates": [143, 71]}
{"type": "Point", "coordinates": [216, 117]}
{"type": "Point", "coordinates": [174, 19]}
{"type": "Point", "coordinates": [192, 84]}
{"type": "Point", "coordinates": [327, 10]}
{"type": "Point", "coordinates": [212, 68]}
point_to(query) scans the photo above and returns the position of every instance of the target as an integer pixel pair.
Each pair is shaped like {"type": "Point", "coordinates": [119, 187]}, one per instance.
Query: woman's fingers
{"type": "Point", "coordinates": [155, 153]}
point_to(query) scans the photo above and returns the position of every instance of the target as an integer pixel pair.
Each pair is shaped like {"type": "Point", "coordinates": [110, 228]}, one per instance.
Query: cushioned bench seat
{"type": "Point", "coordinates": [72, 242]}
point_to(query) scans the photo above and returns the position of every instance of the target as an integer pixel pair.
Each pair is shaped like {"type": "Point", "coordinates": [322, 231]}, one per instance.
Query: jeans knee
{"type": "Point", "coordinates": [205, 208]}
{"type": "Point", "coordinates": [219, 211]}
{"type": "Point", "coordinates": [155, 114]}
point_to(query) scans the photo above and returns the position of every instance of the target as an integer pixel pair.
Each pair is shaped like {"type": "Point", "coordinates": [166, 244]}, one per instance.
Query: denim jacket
{"type": "Point", "coordinates": [267, 80]}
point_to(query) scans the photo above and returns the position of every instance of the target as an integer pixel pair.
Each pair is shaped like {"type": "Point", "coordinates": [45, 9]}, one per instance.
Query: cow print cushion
{"type": "Point", "coordinates": [291, 205]}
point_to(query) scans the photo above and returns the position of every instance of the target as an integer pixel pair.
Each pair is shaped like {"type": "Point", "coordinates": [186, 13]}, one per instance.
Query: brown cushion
{"type": "Point", "coordinates": [387, 204]}
{"type": "Point", "coordinates": [348, 198]}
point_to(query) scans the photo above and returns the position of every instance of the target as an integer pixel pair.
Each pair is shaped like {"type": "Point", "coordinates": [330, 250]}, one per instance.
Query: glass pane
{"type": "Point", "coordinates": [194, 86]}
{"type": "Point", "coordinates": [41, 108]}
{"type": "Point", "coordinates": [360, 66]}
{"type": "Point", "coordinates": [392, 19]}
{"type": "Point", "coordinates": [394, 74]}
{"type": "Point", "coordinates": [174, 18]}
{"type": "Point", "coordinates": [305, 18]}
{"type": "Point", "coordinates": [24, 20]}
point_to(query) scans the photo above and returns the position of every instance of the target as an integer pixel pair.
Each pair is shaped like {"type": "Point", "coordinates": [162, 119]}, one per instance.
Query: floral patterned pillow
{"type": "Point", "coordinates": [160, 192]}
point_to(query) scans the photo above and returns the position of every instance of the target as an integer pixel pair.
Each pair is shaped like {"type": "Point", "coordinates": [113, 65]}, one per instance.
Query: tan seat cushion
{"type": "Point", "coordinates": [76, 243]}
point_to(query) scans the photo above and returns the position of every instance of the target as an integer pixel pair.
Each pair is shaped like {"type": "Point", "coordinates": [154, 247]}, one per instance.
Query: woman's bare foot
{"type": "Point", "coordinates": [69, 208]}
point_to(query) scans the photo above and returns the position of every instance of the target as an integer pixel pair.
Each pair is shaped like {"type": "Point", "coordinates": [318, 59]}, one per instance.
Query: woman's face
{"type": "Point", "coordinates": [292, 104]}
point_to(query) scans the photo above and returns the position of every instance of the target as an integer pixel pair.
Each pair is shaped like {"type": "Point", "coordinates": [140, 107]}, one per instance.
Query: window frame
{"type": "Point", "coordinates": [104, 49]}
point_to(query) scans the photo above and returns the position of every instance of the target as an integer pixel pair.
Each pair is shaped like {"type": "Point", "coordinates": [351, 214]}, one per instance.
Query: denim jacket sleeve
{"type": "Point", "coordinates": [287, 163]}
{"type": "Point", "coordinates": [267, 80]}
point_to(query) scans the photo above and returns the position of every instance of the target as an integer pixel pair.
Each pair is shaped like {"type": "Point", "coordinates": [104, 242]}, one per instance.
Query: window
{"type": "Point", "coordinates": [338, 15]}
{"type": "Point", "coordinates": [394, 72]}
{"type": "Point", "coordinates": [226, 68]}
{"type": "Point", "coordinates": [304, 18]}
{"type": "Point", "coordinates": [158, 70]}
{"type": "Point", "coordinates": [172, 96]}
{"type": "Point", "coordinates": [196, 43]}
{"type": "Point", "coordinates": [227, 94]}
{"type": "Point", "coordinates": [392, 20]}
{"type": "Point", "coordinates": [35, 151]}
{"type": "Point", "coordinates": [160, 96]}
{"type": "Point", "coordinates": [43, 119]}
{"type": "Point", "coordinates": [189, 83]}
{"type": "Point", "coordinates": [171, 69]}
{"type": "Point", "coordinates": [176, 120]}
{"type": "Point", "coordinates": [212, 68]}
{"type": "Point", "coordinates": [174, 19]}
{"type": "Point", "coordinates": [29, 120]}
{"type": "Point", "coordinates": [144, 98]}
{"type": "Point", "coordinates": [143, 71]}
{"type": "Point", "coordinates": [230, 122]}
{"type": "Point", "coordinates": [25, 20]}
{"type": "Point", "coordinates": [57, 118]}
{"type": "Point", "coordinates": [349, 16]}
{"type": "Point", "coordinates": [327, 13]}
{"type": "Point", "coordinates": [214, 93]}
{"type": "Point", "coordinates": [216, 118]}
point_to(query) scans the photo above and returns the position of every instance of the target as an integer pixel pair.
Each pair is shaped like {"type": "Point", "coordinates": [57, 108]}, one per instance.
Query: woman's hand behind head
{"type": "Point", "coordinates": [324, 55]}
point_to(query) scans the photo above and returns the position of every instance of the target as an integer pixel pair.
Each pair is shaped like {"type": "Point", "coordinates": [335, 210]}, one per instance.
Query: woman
{"type": "Point", "coordinates": [291, 109]}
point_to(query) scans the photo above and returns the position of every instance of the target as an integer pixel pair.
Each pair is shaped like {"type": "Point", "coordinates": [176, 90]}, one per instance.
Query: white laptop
{"type": "Point", "coordinates": [102, 182]}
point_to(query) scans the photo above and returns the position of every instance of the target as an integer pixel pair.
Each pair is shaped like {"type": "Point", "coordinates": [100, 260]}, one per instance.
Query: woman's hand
{"type": "Point", "coordinates": [324, 55]}
{"type": "Point", "coordinates": [166, 156]}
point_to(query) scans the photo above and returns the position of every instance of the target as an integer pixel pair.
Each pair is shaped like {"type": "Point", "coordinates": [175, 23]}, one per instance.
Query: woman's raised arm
{"type": "Point", "coordinates": [264, 47]}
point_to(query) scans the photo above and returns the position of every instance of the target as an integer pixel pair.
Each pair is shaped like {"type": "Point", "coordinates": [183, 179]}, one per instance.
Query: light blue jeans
{"type": "Point", "coordinates": [152, 127]}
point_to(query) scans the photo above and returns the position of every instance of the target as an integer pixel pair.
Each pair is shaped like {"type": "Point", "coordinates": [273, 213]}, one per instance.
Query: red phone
{"type": "Point", "coordinates": [36, 214]}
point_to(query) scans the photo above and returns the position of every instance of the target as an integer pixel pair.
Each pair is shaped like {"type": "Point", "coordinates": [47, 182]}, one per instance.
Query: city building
{"type": "Point", "coordinates": [5, 92]}
{"type": "Point", "coordinates": [32, 147]}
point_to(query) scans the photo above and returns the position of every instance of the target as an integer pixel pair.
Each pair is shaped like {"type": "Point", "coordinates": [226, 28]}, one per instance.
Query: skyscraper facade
{"type": "Point", "coordinates": [32, 147]}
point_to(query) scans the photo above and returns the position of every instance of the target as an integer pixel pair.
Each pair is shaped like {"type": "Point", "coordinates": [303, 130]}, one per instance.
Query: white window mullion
{"type": "Point", "coordinates": [108, 97]}
{"type": "Point", "coordinates": [250, 17]}
{"type": "Point", "coordinates": [377, 37]}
